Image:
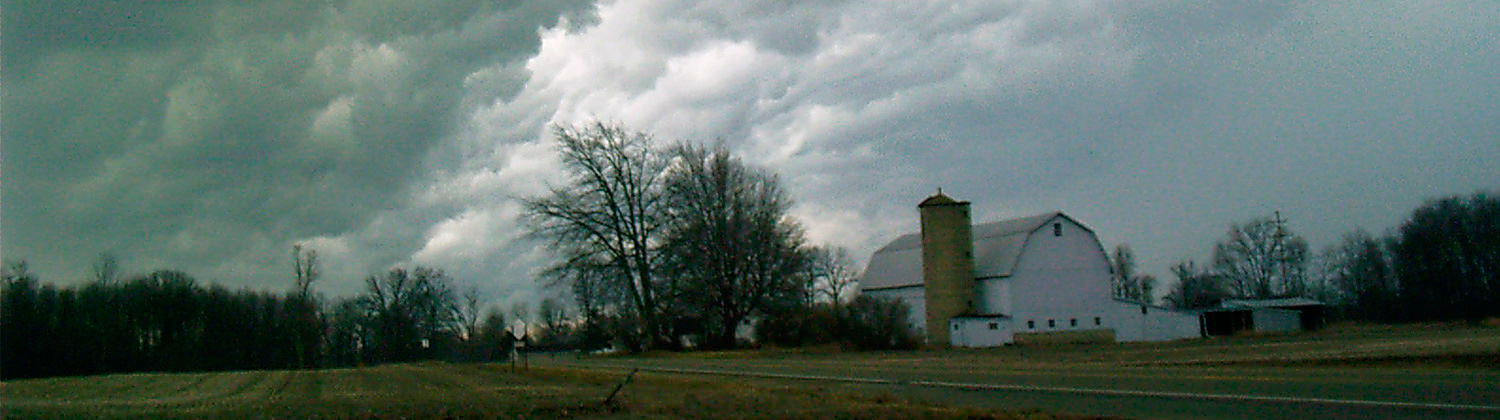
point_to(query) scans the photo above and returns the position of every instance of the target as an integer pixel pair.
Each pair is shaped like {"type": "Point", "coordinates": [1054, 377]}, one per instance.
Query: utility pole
{"type": "Point", "coordinates": [1278, 251]}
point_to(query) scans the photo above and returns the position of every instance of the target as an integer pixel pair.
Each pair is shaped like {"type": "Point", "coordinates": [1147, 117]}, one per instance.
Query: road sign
{"type": "Point", "coordinates": [518, 330]}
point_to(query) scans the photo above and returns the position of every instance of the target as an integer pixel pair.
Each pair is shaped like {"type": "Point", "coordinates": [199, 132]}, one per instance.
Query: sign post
{"type": "Point", "coordinates": [518, 335]}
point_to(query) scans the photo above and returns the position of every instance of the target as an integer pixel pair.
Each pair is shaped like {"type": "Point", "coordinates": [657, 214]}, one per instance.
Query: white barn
{"type": "Point", "coordinates": [1037, 278]}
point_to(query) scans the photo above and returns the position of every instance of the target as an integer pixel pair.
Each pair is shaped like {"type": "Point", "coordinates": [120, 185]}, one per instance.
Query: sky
{"type": "Point", "coordinates": [212, 136]}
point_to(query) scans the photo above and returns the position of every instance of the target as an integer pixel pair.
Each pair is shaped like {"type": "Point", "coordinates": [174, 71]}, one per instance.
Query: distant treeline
{"type": "Point", "coordinates": [166, 322]}
{"type": "Point", "coordinates": [1441, 264]}
{"type": "Point", "coordinates": [158, 322]}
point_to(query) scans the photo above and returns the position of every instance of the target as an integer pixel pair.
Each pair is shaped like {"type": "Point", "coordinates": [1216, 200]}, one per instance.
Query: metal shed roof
{"type": "Point", "coordinates": [1269, 303]}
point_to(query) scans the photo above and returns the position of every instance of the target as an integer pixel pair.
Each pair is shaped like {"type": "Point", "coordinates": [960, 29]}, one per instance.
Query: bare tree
{"type": "Point", "coordinates": [468, 311]}
{"type": "Point", "coordinates": [552, 314]}
{"type": "Point", "coordinates": [107, 269]}
{"type": "Point", "coordinates": [590, 281]}
{"type": "Point", "coordinates": [729, 239]}
{"type": "Point", "coordinates": [1127, 284]}
{"type": "Point", "coordinates": [305, 263]}
{"type": "Point", "coordinates": [1358, 275]}
{"type": "Point", "coordinates": [1194, 288]}
{"type": "Point", "coordinates": [408, 307]}
{"type": "Point", "coordinates": [835, 273]}
{"type": "Point", "coordinates": [606, 218]}
{"type": "Point", "coordinates": [309, 323]}
{"type": "Point", "coordinates": [1262, 259]}
{"type": "Point", "coordinates": [493, 338]}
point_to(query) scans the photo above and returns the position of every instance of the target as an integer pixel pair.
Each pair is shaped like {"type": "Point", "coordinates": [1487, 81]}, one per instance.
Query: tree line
{"type": "Point", "coordinates": [1441, 264]}
{"type": "Point", "coordinates": [166, 321]}
{"type": "Point", "coordinates": [161, 321]}
{"type": "Point", "coordinates": [685, 245]}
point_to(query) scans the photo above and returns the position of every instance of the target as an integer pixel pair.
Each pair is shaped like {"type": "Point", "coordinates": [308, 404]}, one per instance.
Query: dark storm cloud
{"type": "Point", "coordinates": [209, 136]}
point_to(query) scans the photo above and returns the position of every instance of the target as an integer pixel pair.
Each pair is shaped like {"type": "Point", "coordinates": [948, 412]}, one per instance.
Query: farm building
{"type": "Point", "coordinates": [1263, 315]}
{"type": "Point", "coordinates": [1042, 278]}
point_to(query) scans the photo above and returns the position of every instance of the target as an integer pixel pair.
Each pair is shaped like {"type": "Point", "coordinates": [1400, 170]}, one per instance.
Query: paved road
{"type": "Point", "coordinates": [1258, 393]}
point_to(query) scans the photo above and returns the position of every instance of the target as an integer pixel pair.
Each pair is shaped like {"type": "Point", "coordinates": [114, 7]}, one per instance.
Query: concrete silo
{"type": "Point", "coordinates": [947, 263]}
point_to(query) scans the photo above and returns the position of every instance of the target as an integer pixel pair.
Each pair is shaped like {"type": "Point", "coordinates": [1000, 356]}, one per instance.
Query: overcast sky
{"type": "Point", "coordinates": [211, 136]}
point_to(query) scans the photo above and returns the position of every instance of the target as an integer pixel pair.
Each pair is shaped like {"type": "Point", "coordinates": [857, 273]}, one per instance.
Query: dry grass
{"type": "Point", "coordinates": [442, 391]}
{"type": "Point", "coordinates": [1439, 345]}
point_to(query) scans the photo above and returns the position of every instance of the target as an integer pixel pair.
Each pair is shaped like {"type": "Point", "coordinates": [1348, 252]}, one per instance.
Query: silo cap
{"type": "Point", "coordinates": [939, 200]}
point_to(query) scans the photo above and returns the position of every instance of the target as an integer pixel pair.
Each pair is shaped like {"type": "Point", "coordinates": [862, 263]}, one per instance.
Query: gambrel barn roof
{"type": "Point", "coordinates": [997, 247]}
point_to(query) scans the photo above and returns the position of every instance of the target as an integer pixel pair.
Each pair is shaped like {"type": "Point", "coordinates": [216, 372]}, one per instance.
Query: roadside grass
{"type": "Point", "coordinates": [1443, 363]}
{"type": "Point", "coordinates": [1431, 345]}
{"type": "Point", "coordinates": [675, 396]}
{"type": "Point", "coordinates": [444, 391]}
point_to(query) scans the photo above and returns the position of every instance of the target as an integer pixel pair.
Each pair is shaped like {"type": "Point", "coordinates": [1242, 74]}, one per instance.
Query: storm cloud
{"type": "Point", "coordinates": [211, 137]}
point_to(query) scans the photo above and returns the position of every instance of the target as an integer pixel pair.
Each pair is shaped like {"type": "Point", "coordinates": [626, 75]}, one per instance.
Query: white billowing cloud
{"type": "Point", "coordinates": [854, 111]}
{"type": "Point", "coordinates": [468, 236]}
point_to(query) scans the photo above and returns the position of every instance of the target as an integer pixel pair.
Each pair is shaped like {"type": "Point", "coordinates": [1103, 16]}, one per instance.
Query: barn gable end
{"type": "Point", "coordinates": [1041, 278]}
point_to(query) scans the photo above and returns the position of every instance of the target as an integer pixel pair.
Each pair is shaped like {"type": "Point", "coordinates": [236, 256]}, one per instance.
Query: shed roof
{"type": "Point", "coordinates": [1270, 303]}
{"type": "Point", "coordinates": [997, 247]}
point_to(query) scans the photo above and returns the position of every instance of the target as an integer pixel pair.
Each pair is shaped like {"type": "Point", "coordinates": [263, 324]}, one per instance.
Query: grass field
{"type": "Point", "coordinates": [1439, 362]}
{"type": "Point", "coordinates": [444, 391]}
{"type": "Point", "coordinates": [1440, 345]}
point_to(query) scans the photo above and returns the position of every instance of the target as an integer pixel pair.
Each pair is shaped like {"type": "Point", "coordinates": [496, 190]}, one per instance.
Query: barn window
{"type": "Point", "coordinates": [1031, 324]}
{"type": "Point", "coordinates": [1073, 322]}
{"type": "Point", "coordinates": [955, 327]}
{"type": "Point", "coordinates": [1057, 229]}
{"type": "Point", "coordinates": [1051, 323]}
{"type": "Point", "coordinates": [1097, 321]}
{"type": "Point", "coordinates": [1143, 310]}
{"type": "Point", "coordinates": [994, 325]}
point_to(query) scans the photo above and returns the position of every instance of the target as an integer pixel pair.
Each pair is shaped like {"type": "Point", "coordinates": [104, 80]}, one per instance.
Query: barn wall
{"type": "Point", "coordinates": [1153, 324]}
{"type": "Point", "coordinates": [1276, 320]}
{"type": "Point", "coordinates": [1060, 278]}
{"type": "Point", "coordinates": [993, 296]}
{"type": "Point", "coordinates": [1094, 319]}
{"type": "Point", "coordinates": [977, 332]}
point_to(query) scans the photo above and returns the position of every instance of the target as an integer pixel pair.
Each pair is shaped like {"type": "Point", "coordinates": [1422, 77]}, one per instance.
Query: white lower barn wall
{"type": "Point", "coordinates": [981, 332]}
{"type": "Point", "coordinates": [1276, 320]}
{"type": "Point", "coordinates": [1132, 323]}
{"type": "Point", "coordinates": [1156, 324]}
